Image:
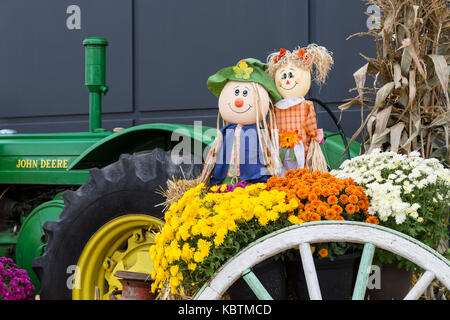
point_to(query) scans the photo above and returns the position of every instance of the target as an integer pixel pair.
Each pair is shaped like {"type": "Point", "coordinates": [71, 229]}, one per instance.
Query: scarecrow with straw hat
{"type": "Point", "coordinates": [245, 148]}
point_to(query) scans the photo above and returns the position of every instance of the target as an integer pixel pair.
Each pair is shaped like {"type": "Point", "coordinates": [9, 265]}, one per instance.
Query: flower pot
{"type": "Point", "coordinates": [271, 275]}
{"type": "Point", "coordinates": [394, 284]}
{"type": "Point", "coordinates": [336, 278]}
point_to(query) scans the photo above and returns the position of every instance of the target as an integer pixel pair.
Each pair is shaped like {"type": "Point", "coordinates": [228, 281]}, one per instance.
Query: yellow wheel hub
{"type": "Point", "coordinates": [122, 244]}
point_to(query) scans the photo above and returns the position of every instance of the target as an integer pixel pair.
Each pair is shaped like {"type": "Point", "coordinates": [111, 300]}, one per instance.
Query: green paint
{"type": "Point", "coordinates": [141, 138]}
{"type": "Point", "coordinates": [256, 286]}
{"type": "Point", "coordinates": [95, 78]}
{"type": "Point", "coordinates": [8, 238]}
{"type": "Point", "coordinates": [44, 158]}
{"type": "Point", "coordinates": [363, 272]}
{"type": "Point", "coordinates": [333, 149]}
{"type": "Point", "coordinates": [30, 244]}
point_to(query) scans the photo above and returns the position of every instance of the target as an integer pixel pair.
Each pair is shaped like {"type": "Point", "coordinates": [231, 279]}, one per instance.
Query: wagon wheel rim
{"type": "Point", "coordinates": [122, 244]}
{"type": "Point", "coordinates": [301, 236]}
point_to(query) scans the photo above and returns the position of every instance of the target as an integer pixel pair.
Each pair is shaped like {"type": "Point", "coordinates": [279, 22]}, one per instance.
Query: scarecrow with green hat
{"type": "Point", "coordinates": [245, 148]}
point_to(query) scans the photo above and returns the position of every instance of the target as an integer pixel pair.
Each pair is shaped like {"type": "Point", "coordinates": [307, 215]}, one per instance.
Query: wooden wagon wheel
{"type": "Point", "coordinates": [372, 236]}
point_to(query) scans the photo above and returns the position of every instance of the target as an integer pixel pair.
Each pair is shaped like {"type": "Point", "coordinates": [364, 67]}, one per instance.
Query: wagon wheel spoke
{"type": "Point", "coordinates": [363, 272]}
{"type": "Point", "coordinates": [310, 272]}
{"type": "Point", "coordinates": [302, 235]}
{"type": "Point", "coordinates": [256, 285]}
{"type": "Point", "coordinates": [421, 285]}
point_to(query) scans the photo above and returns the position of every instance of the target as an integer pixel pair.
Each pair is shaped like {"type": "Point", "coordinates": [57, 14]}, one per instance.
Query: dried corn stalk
{"type": "Point", "coordinates": [408, 102]}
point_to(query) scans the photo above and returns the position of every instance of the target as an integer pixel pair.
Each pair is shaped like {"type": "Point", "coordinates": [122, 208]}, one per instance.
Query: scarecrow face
{"type": "Point", "coordinates": [293, 81]}
{"type": "Point", "coordinates": [239, 102]}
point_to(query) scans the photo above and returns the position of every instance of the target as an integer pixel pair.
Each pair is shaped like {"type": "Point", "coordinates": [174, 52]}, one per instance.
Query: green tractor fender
{"type": "Point", "coordinates": [30, 241]}
{"type": "Point", "coordinates": [144, 137]}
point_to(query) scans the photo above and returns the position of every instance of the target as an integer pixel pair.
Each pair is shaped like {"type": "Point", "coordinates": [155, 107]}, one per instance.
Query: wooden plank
{"type": "Point", "coordinates": [256, 286]}
{"type": "Point", "coordinates": [363, 272]}
{"type": "Point", "coordinates": [310, 272]}
{"type": "Point", "coordinates": [420, 286]}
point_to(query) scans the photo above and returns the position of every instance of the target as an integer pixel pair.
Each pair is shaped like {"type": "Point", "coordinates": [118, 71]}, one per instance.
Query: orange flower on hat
{"type": "Point", "coordinates": [280, 55]}
{"type": "Point", "coordinates": [301, 53]}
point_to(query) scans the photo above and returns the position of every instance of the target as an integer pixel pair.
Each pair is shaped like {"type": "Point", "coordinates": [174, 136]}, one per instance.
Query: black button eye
{"type": "Point", "coordinates": [283, 76]}
{"type": "Point", "coordinates": [236, 92]}
{"type": "Point", "coordinates": [244, 93]}
{"type": "Point", "coordinates": [291, 75]}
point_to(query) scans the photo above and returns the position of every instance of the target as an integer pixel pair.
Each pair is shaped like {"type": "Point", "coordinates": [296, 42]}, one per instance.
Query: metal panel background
{"type": "Point", "coordinates": [161, 53]}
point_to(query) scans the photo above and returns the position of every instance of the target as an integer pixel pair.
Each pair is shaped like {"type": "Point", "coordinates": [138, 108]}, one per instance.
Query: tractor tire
{"type": "Point", "coordinates": [125, 187]}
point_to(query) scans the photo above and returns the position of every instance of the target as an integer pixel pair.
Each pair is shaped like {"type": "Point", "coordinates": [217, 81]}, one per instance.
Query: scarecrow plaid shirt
{"type": "Point", "coordinates": [301, 117]}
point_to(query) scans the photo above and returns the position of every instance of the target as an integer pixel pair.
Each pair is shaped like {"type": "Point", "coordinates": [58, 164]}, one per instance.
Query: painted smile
{"type": "Point", "coordinates": [296, 83]}
{"type": "Point", "coordinates": [249, 107]}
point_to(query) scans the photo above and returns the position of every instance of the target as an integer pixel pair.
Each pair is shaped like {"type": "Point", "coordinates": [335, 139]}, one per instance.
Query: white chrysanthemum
{"type": "Point", "coordinates": [404, 175]}
{"type": "Point", "coordinates": [400, 218]}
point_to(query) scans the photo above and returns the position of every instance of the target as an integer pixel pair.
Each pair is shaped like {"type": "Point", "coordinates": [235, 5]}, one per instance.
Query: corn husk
{"type": "Point", "coordinates": [408, 102]}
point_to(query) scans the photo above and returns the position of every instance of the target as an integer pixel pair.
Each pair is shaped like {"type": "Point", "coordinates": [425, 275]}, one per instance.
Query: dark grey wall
{"type": "Point", "coordinates": [161, 52]}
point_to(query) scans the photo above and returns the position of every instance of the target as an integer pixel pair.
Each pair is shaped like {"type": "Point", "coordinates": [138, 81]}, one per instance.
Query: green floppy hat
{"type": "Point", "coordinates": [246, 70]}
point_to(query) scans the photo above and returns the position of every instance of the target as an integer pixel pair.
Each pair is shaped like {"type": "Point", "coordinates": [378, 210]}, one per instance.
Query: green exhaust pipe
{"type": "Point", "coordinates": [95, 79]}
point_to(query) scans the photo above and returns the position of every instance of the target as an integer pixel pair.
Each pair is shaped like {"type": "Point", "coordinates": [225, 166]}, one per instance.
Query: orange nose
{"type": "Point", "coordinates": [239, 102]}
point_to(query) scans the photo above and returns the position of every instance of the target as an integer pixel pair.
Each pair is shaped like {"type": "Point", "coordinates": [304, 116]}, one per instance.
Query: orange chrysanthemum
{"type": "Point", "coordinates": [321, 209]}
{"type": "Point", "coordinates": [302, 193]}
{"type": "Point", "coordinates": [304, 215]}
{"type": "Point", "coordinates": [288, 139]}
{"type": "Point", "coordinates": [372, 220]}
{"type": "Point", "coordinates": [316, 189]}
{"type": "Point", "coordinates": [330, 214]}
{"type": "Point", "coordinates": [362, 204]}
{"type": "Point", "coordinates": [316, 203]}
{"type": "Point", "coordinates": [353, 199]}
{"type": "Point", "coordinates": [343, 198]}
{"type": "Point", "coordinates": [321, 195]}
{"type": "Point", "coordinates": [332, 200]}
{"type": "Point", "coordinates": [326, 191]}
{"type": "Point", "coordinates": [323, 252]}
{"type": "Point", "coordinates": [337, 209]}
{"type": "Point", "coordinates": [350, 208]}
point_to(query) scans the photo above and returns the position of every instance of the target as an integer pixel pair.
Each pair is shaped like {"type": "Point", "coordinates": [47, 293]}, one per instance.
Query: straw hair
{"type": "Point", "coordinates": [266, 138]}
{"type": "Point", "coordinates": [316, 59]}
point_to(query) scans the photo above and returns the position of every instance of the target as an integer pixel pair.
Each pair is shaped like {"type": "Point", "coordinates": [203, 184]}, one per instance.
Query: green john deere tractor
{"type": "Point", "coordinates": [77, 207]}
